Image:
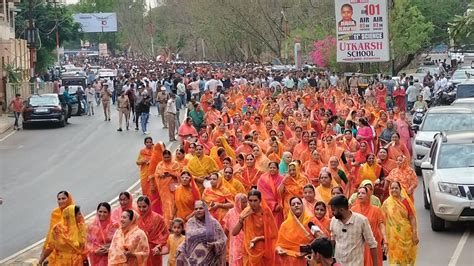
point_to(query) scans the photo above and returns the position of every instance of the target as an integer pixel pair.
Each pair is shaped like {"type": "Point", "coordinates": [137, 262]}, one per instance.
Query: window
{"type": "Point", "coordinates": [456, 156]}
{"type": "Point", "coordinates": [448, 122]}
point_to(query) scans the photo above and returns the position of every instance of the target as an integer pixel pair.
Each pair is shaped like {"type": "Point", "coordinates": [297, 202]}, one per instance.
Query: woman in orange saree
{"type": "Point", "coordinates": [261, 160]}
{"type": "Point", "coordinates": [156, 157]}
{"type": "Point", "coordinates": [323, 191]}
{"type": "Point", "coordinates": [332, 150]}
{"type": "Point", "coordinates": [126, 203]}
{"type": "Point", "coordinates": [309, 198]}
{"type": "Point", "coordinates": [250, 174]}
{"type": "Point", "coordinates": [229, 181]}
{"type": "Point", "coordinates": [211, 115]}
{"type": "Point", "coordinates": [143, 162]}
{"type": "Point", "coordinates": [321, 218]}
{"type": "Point", "coordinates": [186, 129]}
{"type": "Point", "coordinates": [388, 165]}
{"type": "Point", "coordinates": [301, 151]}
{"type": "Point", "coordinates": [166, 181]}
{"type": "Point", "coordinates": [313, 167]}
{"type": "Point", "coordinates": [67, 239]}
{"type": "Point", "coordinates": [206, 143]}
{"type": "Point", "coordinates": [268, 185]}
{"type": "Point", "coordinates": [405, 175]}
{"type": "Point", "coordinates": [236, 256]}
{"type": "Point", "coordinates": [155, 228]}
{"type": "Point", "coordinates": [99, 235]}
{"type": "Point", "coordinates": [294, 232]}
{"type": "Point", "coordinates": [397, 148]}
{"type": "Point", "coordinates": [180, 157]}
{"type": "Point", "coordinates": [292, 186]}
{"type": "Point", "coordinates": [185, 195]}
{"type": "Point", "coordinates": [129, 246]}
{"type": "Point", "coordinates": [218, 198]}
{"type": "Point", "coordinates": [377, 223]}
{"type": "Point", "coordinates": [221, 142]}
{"type": "Point", "coordinates": [370, 170]}
{"type": "Point", "coordinates": [64, 199]}
{"type": "Point", "coordinates": [260, 231]}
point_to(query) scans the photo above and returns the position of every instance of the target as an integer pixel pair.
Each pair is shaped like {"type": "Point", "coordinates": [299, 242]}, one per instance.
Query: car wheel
{"type": "Point", "coordinates": [426, 204]}
{"type": "Point", "coordinates": [437, 224]}
{"type": "Point", "coordinates": [418, 170]}
{"type": "Point", "coordinates": [62, 123]}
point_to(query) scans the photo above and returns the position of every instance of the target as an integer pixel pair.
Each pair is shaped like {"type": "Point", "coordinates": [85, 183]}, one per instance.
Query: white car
{"type": "Point", "coordinates": [438, 119]}
{"type": "Point", "coordinates": [448, 179]}
{"type": "Point", "coordinates": [464, 102]}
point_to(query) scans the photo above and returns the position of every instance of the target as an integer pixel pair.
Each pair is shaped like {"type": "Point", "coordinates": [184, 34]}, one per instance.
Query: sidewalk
{"type": "Point", "coordinates": [6, 122]}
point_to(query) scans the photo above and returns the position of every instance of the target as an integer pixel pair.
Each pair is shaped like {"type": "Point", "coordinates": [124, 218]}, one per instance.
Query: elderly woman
{"type": "Point", "coordinates": [386, 134]}
{"type": "Point", "coordinates": [205, 242]}
{"type": "Point", "coordinates": [294, 232]}
{"type": "Point", "coordinates": [187, 130]}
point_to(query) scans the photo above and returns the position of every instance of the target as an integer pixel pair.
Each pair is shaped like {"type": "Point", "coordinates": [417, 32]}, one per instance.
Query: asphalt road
{"type": "Point", "coordinates": [89, 158]}
{"type": "Point", "coordinates": [94, 162]}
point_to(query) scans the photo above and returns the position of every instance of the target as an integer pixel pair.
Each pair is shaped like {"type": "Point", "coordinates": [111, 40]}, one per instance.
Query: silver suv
{"type": "Point", "coordinates": [448, 178]}
{"type": "Point", "coordinates": [438, 119]}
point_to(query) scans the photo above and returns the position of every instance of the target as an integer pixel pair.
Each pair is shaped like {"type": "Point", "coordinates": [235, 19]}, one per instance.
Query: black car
{"type": "Point", "coordinates": [45, 108]}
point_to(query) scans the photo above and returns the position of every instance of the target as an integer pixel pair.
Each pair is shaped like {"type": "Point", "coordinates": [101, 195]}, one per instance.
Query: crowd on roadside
{"type": "Point", "coordinates": [273, 169]}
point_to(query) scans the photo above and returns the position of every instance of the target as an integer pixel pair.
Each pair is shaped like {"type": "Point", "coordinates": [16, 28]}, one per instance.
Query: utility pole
{"type": "Point", "coordinates": [31, 39]}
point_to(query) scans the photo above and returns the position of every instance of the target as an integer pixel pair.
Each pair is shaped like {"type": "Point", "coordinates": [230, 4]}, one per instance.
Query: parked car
{"type": "Point", "coordinates": [438, 119]}
{"type": "Point", "coordinates": [461, 75]}
{"type": "Point", "coordinates": [464, 102]}
{"type": "Point", "coordinates": [465, 89]}
{"type": "Point", "coordinates": [45, 108]}
{"type": "Point", "coordinates": [448, 180]}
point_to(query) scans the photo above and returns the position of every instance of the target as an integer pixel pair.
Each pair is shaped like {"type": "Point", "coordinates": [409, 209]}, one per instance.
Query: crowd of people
{"type": "Point", "coordinates": [272, 169]}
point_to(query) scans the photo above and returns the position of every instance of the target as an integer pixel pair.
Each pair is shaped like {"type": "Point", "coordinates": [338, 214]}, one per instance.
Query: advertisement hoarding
{"type": "Point", "coordinates": [97, 22]}
{"type": "Point", "coordinates": [362, 31]}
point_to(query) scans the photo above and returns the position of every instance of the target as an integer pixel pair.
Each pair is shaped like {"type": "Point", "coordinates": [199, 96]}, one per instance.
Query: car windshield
{"type": "Point", "coordinates": [461, 74]}
{"type": "Point", "coordinates": [448, 122]}
{"type": "Point", "coordinates": [456, 156]}
{"type": "Point", "coordinates": [465, 91]}
{"type": "Point", "coordinates": [43, 100]}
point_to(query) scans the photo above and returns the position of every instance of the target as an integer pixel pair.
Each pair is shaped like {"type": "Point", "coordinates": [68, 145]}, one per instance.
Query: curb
{"type": "Point", "coordinates": [12, 259]}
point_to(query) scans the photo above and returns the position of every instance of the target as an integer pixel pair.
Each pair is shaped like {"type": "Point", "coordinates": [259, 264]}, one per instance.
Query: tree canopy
{"type": "Point", "coordinates": [47, 18]}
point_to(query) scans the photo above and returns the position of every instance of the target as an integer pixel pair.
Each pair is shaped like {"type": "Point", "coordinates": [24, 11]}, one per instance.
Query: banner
{"type": "Point", "coordinates": [97, 22]}
{"type": "Point", "coordinates": [362, 31]}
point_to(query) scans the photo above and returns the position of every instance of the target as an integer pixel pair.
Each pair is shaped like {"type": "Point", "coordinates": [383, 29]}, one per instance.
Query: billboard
{"type": "Point", "coordinates": [97, 22]}
{"type": "Point", "coordinates": [362, 31]}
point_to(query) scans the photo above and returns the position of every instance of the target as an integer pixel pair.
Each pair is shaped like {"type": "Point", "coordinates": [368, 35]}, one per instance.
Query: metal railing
{"type": "Point", "coordinates": [25, 89]}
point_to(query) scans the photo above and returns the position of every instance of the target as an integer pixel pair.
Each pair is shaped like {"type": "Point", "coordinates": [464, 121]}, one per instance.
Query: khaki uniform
{"type": "Point", "coordinates": [123, 107]}
{"type": "Point", "coordinates": [162, 98]}
{"type": "Point", "coordinates": [105, 96]}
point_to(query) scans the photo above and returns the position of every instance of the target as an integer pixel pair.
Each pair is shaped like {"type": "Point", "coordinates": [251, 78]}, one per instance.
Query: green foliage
{"type": "Point", "coordinates": [410, 32]}
{"type": "Point", "coordinates": [440, 13]}
{"type": "Point", "coordinates": [461, 28]}
{"type": "Point", "coordinates": [13, 74]}
{"type": "Point", "coordinates": [47, 19]}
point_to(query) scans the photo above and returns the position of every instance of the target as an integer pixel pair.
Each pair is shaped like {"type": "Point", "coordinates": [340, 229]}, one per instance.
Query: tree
{"type": "Point", "coordinates": [410, 33]}
{"type": "Point", "coordinates": [440, 13]}
{"type": "Point", "coordinates": [461, 27]}
{"type": "Point", "coordinates": [47, 19]}
{"type": "Point", "coordinates": [324, 53]}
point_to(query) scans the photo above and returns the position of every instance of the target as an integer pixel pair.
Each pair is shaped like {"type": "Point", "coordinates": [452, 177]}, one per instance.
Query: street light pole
{"type": "Point", "coordinates": [32, 47]}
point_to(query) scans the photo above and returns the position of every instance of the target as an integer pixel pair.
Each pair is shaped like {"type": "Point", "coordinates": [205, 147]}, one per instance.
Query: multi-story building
{"type": "Point", "coordinates": [14, 52]}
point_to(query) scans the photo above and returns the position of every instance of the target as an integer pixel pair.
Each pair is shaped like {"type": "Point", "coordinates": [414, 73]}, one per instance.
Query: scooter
{"type": "Point", "coordinates": [418, 116]}
{"type": "Point", "coordinates": [444, 96]}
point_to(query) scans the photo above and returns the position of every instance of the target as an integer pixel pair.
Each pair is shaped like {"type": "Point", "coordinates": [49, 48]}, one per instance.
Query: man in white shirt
{"type": "Point", "coordinates": [426, 93]}
{"type": "Point", "coordinates": [350, 231]}
{"type": "Point", "coordinates": [411, 93]}
{"type": "Point", "coordinates": [444, 81]}
{"type": "Point", "coordinates": [194, 86]}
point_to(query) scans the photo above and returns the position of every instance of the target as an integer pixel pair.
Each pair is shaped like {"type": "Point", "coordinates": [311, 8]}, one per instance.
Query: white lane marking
{"type": "Point", "coordinates": [42, 240]}
{"type": "Point", "coordinates": [112, 202]}
{"type": "Point", "coordinates": [4, 138]}
{"type": "Point", "coordinates": [459, 248]}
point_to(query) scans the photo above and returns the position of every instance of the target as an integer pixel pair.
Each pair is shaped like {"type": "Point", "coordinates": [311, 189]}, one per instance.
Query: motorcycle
{"type": "Point", "coordinates": [444, 96]}
{"type": "Point", "coordinates": [418, 116]}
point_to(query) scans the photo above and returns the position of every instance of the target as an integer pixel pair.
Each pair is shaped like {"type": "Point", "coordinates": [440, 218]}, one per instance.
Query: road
{"type": "Point", "coordinates": [89, 158]}
{"type": "Point", "coordinates": [95, 162]}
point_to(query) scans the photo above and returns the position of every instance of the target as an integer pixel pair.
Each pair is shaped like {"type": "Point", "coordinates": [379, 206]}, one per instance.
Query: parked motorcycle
{"type": "Point", "coordinates": [444, 96]}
